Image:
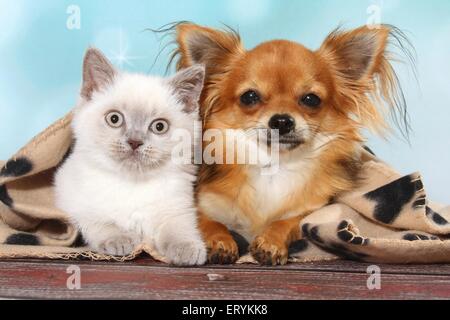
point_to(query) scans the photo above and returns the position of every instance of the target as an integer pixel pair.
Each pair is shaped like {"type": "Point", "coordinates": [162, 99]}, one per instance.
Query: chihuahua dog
{"type": "Point", "coordinates": [317, 100]}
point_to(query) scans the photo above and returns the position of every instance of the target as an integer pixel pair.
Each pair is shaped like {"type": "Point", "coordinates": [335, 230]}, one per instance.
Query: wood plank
{"type": "Point", "coordinates": [335, 266]}
{"type": "Point", "coordinates": [117, 281]}
{"type": "Point", "coordinates": [330, 266]}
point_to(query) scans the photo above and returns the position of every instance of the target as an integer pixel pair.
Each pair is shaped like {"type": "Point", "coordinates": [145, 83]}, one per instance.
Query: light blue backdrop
{"type": "Point", "coordinates": [40, 58]}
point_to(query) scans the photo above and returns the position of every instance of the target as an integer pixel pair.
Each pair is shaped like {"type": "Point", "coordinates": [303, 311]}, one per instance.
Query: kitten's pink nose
{"type": "Point", "coordinates": [135, 144]}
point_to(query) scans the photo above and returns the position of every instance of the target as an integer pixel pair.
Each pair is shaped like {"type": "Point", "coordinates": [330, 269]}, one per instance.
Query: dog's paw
{"type": "Point", "coordinates": [222, 250]}
{"type": "Point", "coordinates": [186, 253]}
{"type": "Point", "coordinates": [269, 252]}
{"type": "Point", "coordinates": [118, 246]}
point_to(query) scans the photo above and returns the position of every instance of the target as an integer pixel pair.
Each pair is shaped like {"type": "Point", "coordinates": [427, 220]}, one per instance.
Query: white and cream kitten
{"type": "Point", "coordinates": [120, 185]}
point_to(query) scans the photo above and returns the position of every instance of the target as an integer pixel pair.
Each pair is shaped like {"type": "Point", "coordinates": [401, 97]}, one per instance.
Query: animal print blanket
{"type": "Point", "coordinates": [389, 219]}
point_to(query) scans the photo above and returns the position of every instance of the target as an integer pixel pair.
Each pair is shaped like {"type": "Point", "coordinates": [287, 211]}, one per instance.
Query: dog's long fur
{"type": "Point", "coordinates": [351, 73]}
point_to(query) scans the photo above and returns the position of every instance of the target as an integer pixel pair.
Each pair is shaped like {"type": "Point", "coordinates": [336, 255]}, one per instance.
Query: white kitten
{"type": "Point", "coordinates": [120, 185]}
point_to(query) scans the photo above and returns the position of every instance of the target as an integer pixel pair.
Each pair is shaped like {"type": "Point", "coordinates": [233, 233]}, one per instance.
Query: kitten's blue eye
{"type": "Point", "coordinates": [160, 126]}
{"type": "Point", "coordinates": [114, 119]}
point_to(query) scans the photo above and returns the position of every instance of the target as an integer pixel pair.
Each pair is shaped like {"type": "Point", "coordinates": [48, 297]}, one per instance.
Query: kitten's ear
{"type": "Point", "coordinates": [98, 73]}
{"type": "Point", "coordinates": [187, 85]}
{"type": "Point", "coordinates": [210, 47]}
{"type": "Point", "coordinates": [357, 54]}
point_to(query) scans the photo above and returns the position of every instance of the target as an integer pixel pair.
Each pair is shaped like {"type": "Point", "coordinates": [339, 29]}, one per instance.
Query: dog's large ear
{"type": "Point", "coordinates": [98, 72]}
{"type": "Point", "coordinates": [361, 62]}
{"type": "Point", "coordinates": [209, 47]}
{"type": "Point", "coordinates": [357, 54]}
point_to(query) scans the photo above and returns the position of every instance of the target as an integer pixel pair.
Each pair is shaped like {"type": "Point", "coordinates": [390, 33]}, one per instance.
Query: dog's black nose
{"type": "Point", "coordinates": [284, 123]}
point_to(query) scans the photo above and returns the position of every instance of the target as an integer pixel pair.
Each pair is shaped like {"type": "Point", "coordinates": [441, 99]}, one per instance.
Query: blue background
{"type": "Point", "coordinates": [40, 65]}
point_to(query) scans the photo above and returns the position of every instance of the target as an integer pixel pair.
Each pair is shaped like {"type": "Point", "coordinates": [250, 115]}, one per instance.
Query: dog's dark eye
{"type": "Point", "coordinates": [311, 100]}
{"type": "Point", "coordinates": [250, 98]}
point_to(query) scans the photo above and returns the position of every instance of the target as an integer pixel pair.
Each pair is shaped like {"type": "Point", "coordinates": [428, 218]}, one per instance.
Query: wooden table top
{"type": "Point", "coordinates": [147, 279]}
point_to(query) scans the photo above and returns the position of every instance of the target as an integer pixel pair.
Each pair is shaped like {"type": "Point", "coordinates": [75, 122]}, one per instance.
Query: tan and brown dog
{"type": "Point", "coordinates": [318, 100]}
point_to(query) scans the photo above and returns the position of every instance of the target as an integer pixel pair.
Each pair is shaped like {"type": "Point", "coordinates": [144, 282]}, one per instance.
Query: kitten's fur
{"type": "Point", "coordinates": [118, 197]}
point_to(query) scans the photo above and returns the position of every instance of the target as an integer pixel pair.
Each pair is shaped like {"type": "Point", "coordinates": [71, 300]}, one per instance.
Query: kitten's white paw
{"type": "Point", "coordinates": [187, 253]}
{"type": "Point", "coordinates": [118, 246]}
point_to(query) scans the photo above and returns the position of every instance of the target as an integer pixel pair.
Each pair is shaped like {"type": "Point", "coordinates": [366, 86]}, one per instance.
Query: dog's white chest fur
{"type": "Point", "coordinates": [268, 195]}
{"type": "Point", "coordinates": [271, 192]}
